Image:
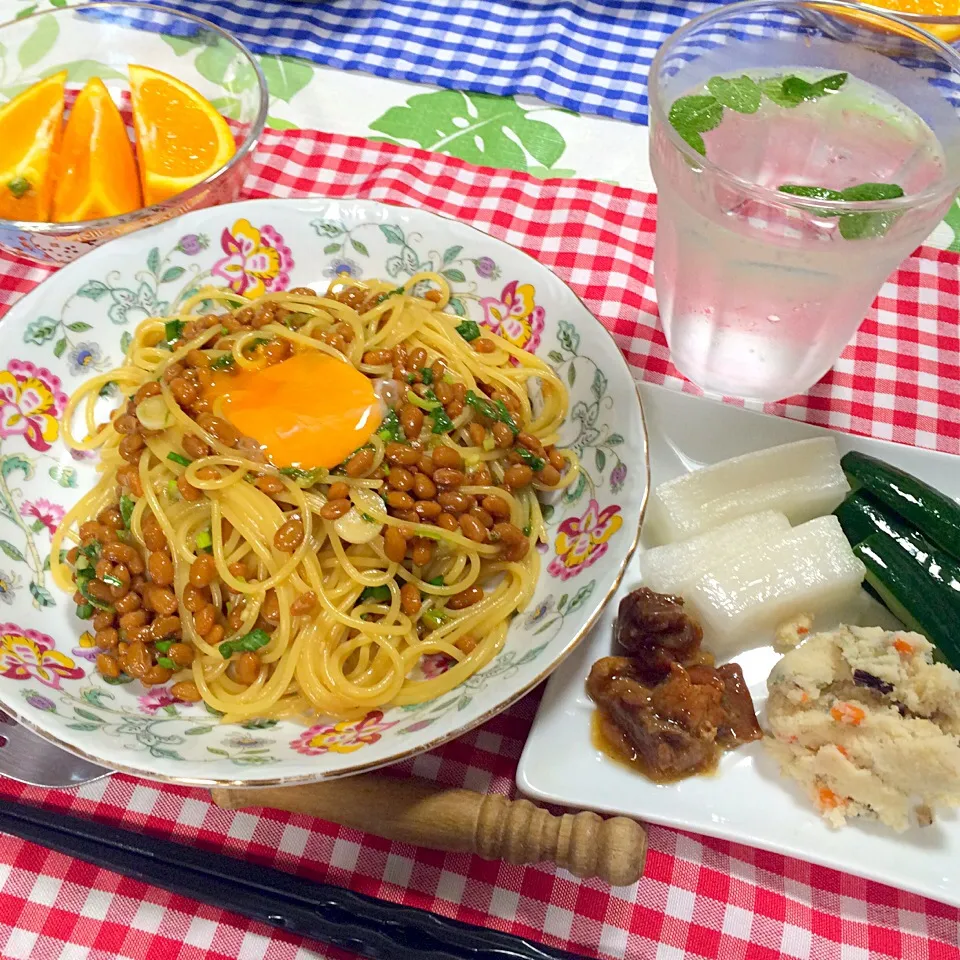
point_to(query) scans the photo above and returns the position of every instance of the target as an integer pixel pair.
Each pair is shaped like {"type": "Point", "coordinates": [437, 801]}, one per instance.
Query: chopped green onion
{"type": "Point", "coordinates": [469, 330]}
{"type": "Point", "coordinates": [106, 390]}
{"type": "Point", "coordinates": [224, 362]}
{"type": "Point", "coordinates": [85, 611]}
{"type": "Point", "coordinates": [504, 416]}
{"type": "Point", "coordinates": [113, 581]}
{"type": "Point", "coordinates": [411, 378]}
{"type": "Point", "coordinates": [91, 551]}
{"type": "Point", "coordinates": [426, 375]}
{"type": "Point", "coordinates": [429, 532]}
{"type": "Point", "coordinates": [166, 662]}
{"type": "Point", "coordinates": [256, 342]}
{"type": "Point", "coordinates": [534, 462]}
{"type": "Point", "coordinates": [173, 331]}
{"type": "Point", "coordinates": [390, 293]}
{"type": "Point", "coordinates": [179, 458]}
{"type": "Point", "coordinates": [492, 410]}
{"type": "Point", "coordinates": [434, 618]}
{"type": "Point", "coordinates": [251, 641]}
{"type": "Point", "coordinates": [391, 428]}
{"type": "Point", "coordinates": [224, 331]}
{"type": "Point", "coordinates": [526, 530]}
{"type": "Point", "coordinates": [305, 478]}
{"type": "Point", "coordinates": [173, 491]}
{"type": "Point", "coordinates": [127, 504]}
{"type": "Point", "coordinates": [99, 604]}
{"type": "Point", "coordinates": [204, 540]}
{"type": "Point", "coordinates": [377, 594]}
{"type": "Point", "coordinates": [421, 402]}
{"type": "Point", "coordinates": [368, 518]}
{"type": "Point", "coordinates": [163, 645]}
{"type": "Point", "coordinates": [436, 582]}
{"type": "Point", "coordinates": [441, 422]}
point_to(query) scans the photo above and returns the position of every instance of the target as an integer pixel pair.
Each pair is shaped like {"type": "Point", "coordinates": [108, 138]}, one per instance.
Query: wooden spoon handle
{"type": "Point", "coordinates": [456, 820]}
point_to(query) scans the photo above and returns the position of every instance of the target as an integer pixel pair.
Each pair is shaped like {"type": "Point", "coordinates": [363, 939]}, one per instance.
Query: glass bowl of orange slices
{"type": "Point", "coordinates": [117, 116]}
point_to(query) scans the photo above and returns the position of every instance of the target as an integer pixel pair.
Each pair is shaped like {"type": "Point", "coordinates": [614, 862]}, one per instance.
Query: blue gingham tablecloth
{"type": "Point", "coordinates": [591, 57]}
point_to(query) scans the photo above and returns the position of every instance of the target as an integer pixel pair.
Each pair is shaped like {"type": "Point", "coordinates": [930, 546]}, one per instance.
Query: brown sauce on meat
{"type": "Point", "coordinates": [666, 709]}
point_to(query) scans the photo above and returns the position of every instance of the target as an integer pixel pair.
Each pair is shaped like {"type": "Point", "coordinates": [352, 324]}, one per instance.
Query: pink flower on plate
{"type": "Point", "coordinates": [30, 402]}
{"type": "Point", "coordinates": [29, 653]}
{"type": "Point", "coordinates": [435, 664]}
{"type": "Point", "coordinates": [582, 541]}
{"type": "Point", "coordinates": [343, 737]}
{"type": "Point", "coordinates": [159, 698]}
{"type": "Point", "coordinates": [43, 513]}
{"type": "Point", "coordinates": [515, 316]}
{"type": "Point", "coordinates": [256, 261]}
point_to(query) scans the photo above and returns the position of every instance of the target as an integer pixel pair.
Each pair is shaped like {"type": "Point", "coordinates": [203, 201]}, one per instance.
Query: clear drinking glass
{"type": "Point", "coordinates": [760, 289]}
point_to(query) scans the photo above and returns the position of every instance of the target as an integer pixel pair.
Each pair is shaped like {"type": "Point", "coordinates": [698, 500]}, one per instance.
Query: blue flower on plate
{"type": "Point", "coordinates": [8, 586]}
{"type": "Point", "coordinates": [345, 265]}
{"type": "Point", "coordinates": [539, 612]}
{"type": "Point", "coordinates": [84, 356]}
{"type": "Point", "coordinates": [245, 741]}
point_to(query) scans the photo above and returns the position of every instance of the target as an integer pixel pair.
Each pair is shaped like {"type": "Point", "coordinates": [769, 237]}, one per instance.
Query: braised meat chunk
{"type": "Point", "coordinates": [655, 631]}
{"type": "Point", "coordinates": [666, 707]}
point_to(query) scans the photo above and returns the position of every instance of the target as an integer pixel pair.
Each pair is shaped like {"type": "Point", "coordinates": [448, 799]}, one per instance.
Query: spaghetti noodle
{"type": "Point", "coordinates": [272, 589]}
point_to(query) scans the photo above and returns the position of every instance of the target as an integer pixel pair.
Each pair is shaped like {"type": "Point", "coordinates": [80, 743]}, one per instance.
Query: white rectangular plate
{"type": "Point", "coordinates": [747, 800]}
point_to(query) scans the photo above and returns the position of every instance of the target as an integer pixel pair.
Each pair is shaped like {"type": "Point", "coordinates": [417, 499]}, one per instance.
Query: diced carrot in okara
{"type": "Point", "coordinates": [842, 751]}
{"type": "Point", "coordinates": [845, 712]}
{"type": "Point", "coordinates": [802, 630]}
{"type": "Point", "coordinates": [903, 647]}
{"type": "Point", "coordinates": [828, 800]}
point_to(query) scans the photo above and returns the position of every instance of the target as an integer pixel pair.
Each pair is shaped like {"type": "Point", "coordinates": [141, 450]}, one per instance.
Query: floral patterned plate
{"type": "Point", "coordinates": [80, 320]}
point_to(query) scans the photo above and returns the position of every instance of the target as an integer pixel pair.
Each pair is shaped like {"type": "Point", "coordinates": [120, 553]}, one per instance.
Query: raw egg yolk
{"type": "Point", "coordinates": [311, 410]}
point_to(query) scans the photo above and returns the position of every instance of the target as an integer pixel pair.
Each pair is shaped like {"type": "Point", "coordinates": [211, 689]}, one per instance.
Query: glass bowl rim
{"type": "Point", "coordinates": [932, 194]}
{"type": "Point", "coordinates": [250, 141]}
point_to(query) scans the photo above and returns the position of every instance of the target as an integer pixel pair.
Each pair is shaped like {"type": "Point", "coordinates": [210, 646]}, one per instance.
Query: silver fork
{"type": "Point", "coordinates": [28, 758]}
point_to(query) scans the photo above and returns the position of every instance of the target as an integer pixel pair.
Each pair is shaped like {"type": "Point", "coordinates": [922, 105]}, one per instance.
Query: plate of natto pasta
{"type": "Point", "coordinates": [292, 489]}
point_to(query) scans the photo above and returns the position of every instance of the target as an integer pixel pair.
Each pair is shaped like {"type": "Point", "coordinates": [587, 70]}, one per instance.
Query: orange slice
{"type": "Point", "coordinates": [181, 139]}
{"type": "Point", "coordinates": [96, 170]}
{"type": "Point", "coordinates": [947, 32]}
{"type": "Point", "coordinates": [30, 130]}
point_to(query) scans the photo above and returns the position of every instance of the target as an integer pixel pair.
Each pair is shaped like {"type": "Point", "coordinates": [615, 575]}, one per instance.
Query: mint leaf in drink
{"type": "Point", "coordinates": [693, 115]}
{"type": "Point", "coordinates": [853, 226]}
{"type": "Point", "coordinates": [813, 193]}
{"type": "Point", "coordinates": [830, 84]}
{"type": "Point", "coordinates": [694, 139]}
{"type": "Point", "coordinates": [772, 89]}
{"type": "Point", "coordinates": [740, 93]}
{"type": "Point", "coordinates": [872, 191]}
{"type": "Point", "coordinates": [795, 90]}
{"type": "Point", "coordinates": [864, 226]}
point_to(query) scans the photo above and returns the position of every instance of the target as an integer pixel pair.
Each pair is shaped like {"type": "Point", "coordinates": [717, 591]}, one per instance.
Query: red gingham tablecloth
{"type": "Point", "coordinates": [699, 898]}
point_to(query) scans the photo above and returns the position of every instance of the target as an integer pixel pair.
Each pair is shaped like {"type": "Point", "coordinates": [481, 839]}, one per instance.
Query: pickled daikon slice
{"type": "Point", "coordinates": [668, 569]}
{"type": "Point", "coordinates": [741, 601]}
{"type": "Point", "coordinates": [802, 480]}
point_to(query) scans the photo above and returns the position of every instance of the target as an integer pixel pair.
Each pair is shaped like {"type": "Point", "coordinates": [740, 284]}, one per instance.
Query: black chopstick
{"type": "Point", "coordinates": [352, 921]}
